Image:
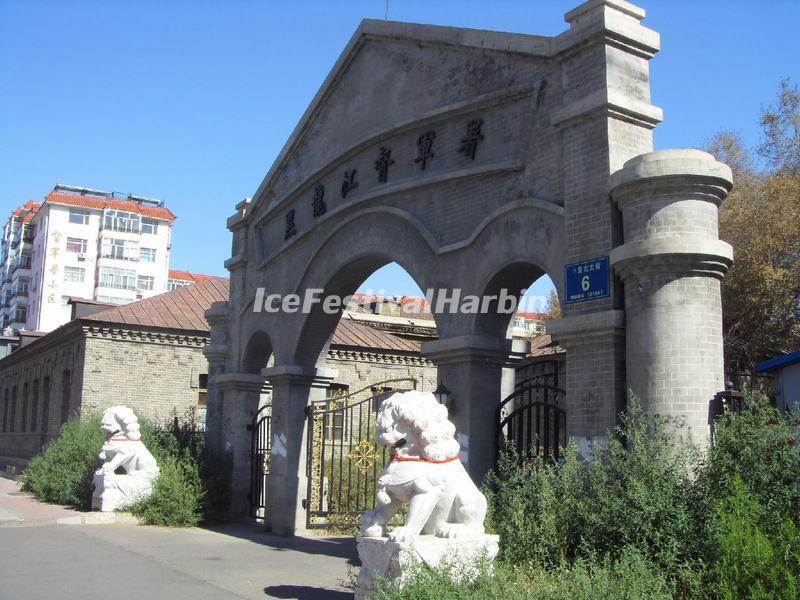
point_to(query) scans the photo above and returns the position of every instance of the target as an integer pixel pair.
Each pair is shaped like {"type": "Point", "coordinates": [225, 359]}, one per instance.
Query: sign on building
{"type": "Point", "coordinates": [587, 280]}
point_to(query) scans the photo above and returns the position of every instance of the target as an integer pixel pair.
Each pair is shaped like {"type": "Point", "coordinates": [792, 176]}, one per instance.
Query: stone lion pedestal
{"type": "Point", "coordinates": [129, 471]}
{"type": "Point", "coordinates": [444, 525]}
{"type": "Point", "coordinates": [383, 559]}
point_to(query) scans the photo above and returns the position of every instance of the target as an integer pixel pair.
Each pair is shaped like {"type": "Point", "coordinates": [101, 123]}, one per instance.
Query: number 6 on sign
{"type": "Point", "coordinates": [587, 280]}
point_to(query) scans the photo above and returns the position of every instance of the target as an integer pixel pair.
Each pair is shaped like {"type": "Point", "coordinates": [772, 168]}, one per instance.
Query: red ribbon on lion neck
{"type": "Point", "coordinates": [427, 460]}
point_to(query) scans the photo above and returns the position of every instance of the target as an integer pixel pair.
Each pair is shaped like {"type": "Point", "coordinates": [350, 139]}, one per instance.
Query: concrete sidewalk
{"type": "Point", "coordinates": [132, 561]}
{"type": "Point", "coordinates": [17, 507]}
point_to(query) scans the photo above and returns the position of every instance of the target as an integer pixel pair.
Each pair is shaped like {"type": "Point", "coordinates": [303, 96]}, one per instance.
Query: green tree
{"type": "Point", "coordinates": [761, 220]}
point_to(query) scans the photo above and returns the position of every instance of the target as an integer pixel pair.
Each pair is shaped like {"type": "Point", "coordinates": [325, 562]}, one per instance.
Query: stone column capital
{"type": "Point", "coordinates": [675, 256]}
{"type": "Point", "coordinates": [682, 174]}
{"type": "Point", "coordinates": [216, 354]}
{"type": "Point", "coordinates": [240, 382]}
{"type": "Point", "coordinates": [280, 375]}
{"type": "Point", "coordinates": [218, 313]}
{"type": "Point", "coordinates": [588, 328]}
{"type": "Point", "coordinates": [473, 348]}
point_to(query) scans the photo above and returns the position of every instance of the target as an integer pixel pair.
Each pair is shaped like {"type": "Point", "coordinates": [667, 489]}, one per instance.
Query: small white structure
{"type": "Point", "coordinates": [445, 508]}
{"type": "Point", "coordinates": [123, 450]}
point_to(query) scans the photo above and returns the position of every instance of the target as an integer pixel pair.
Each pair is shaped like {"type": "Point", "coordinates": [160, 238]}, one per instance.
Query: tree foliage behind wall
{"type": "Point", "coordinates": [761, 220]}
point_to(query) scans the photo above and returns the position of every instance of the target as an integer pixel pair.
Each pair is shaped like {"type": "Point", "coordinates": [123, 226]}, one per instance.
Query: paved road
{"type": "Point", "coordinates": [122, 561]}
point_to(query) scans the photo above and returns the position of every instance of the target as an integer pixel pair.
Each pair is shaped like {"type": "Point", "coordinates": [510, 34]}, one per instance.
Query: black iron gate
{"type": "Point", "coordinates": [344, 461]}
{"type": "Point", "coordinates": [260, 440]}
{"type": "Point", "coordinates": [533, 418]}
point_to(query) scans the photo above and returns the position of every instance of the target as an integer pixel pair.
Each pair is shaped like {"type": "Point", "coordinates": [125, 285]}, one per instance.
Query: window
{"type": "Point", "coordinates": [202, 393]}
{"type": "Point", "coordinates": [78, 216]}
{"type": "Point", "coordinates": [149, 226]}
{"type": "Point", "coordinates": [335, 420]}
{"type": "Point", "coordinates": [20, 287]}
{"type": "Point", "coordinates": [35, 405]}
{"type": "Point", "coordinates": [74, 274]}
{"type": "Point", "coordinates": [20, 313]}
{"type": "Point", "coordinates": [66, 384]}
{"type": "Point", "coordinates": [76, 245]}
{"type": "Point", "coordinates": [23, 426]}
{"type": "Point", "coordinates": [119, 220]}
{"type": "Point", "coordinates": [174, 284]}
{"type": "Point", "coordinates": [147, 254]}
{"type": "Point", "coordinates": [13, 415]}
{"type": "Point", "coordinates": [120, 249]}
{"type": "Point", "coordinates": [123, 279]}
{"type": "Point", "coordinates": [146, 282]}
{"type": "Point", "coordinates": [5, 410]}
{"type": "Point", "coordinates": [45, 404]}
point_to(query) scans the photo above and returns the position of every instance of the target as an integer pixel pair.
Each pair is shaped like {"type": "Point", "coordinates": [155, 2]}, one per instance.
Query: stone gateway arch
{"type": "Point", "coordinates": [478, 161]}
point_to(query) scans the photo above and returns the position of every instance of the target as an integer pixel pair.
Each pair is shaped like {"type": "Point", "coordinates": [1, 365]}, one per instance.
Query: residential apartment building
{"type": "Point", "coordinates": [90, 244]}
{"type": "Point", "coordinates": [16, 250]}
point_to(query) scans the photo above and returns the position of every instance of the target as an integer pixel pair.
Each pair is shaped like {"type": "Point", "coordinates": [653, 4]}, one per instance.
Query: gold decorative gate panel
{"type": "Point", "coordinates": [344, 460]}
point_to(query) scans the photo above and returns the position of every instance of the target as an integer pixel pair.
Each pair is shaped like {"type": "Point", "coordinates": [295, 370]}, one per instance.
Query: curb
{"type": "Point", "coordinates": [99, 518]}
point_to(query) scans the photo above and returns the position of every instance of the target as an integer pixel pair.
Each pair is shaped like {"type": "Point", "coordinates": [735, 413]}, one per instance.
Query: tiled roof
{"type": "Point", "coordinates": [543, 345]}
{"type": "Point", "coordinates": [188, 276]}
{"type": "Point", "coordinates": [410, 307]}
{"type": "Point", "coordinates": [182, 308]}
{"type": "Point", "coordinates": [27, 211]}
{"type": "Point", "coordinates": [354, 334]}
{"type": "Point", "coordinates": [531, 315]}
{"type": "Point", "coordinates": [155, 212]}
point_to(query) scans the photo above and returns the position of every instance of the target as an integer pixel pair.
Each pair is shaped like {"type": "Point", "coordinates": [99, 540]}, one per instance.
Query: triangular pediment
{"type": "Point", "coordinates": [390, 76]}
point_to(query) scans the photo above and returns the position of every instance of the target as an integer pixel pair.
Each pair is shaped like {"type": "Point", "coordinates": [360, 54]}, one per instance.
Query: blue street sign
{"type": "Point", "coordinates": [587, 280]}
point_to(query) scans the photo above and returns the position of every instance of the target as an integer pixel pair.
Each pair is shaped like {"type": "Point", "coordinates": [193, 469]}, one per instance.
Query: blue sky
{"type": "Point", "coordinates": [191, 101]}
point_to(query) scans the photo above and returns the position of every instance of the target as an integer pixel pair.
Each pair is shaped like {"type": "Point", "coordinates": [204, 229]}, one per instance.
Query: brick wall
{"type": "Point", "coordinates": [154, 378]}
{"type": "Point", "coordinates": [33, 398]}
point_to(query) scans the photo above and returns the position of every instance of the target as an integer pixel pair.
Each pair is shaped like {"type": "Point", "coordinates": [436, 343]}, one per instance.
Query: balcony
{"type": "Point", "coordinates": [126, 225]}
{"type": "Point", "coordinates": [24, 262]}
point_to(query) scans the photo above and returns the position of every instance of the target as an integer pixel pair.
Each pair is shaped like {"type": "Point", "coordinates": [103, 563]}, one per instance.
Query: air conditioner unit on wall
{"type": "Point", "coordinates": [81, 257]}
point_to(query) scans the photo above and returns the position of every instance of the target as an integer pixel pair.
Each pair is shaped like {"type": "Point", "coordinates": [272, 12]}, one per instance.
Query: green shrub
{"type": "Point", "coordinates": [749, 563]}
{"type": "Point", "coordinates": [631, 577]}
{"type": "Point", "coordinates": [63, 472]}
{"type": "Point", "coordinates": [633, 495]}
{"type": "Point", "coordinates": [177, 496]}
{"type": "Point", "coordinates": [191, 486]}
{"type": "Point", "coordinates": [759, 446]}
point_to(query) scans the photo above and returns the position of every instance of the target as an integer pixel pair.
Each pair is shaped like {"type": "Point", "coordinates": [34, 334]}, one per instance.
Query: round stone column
{"type": "Point", "coordinates": [672, 263]}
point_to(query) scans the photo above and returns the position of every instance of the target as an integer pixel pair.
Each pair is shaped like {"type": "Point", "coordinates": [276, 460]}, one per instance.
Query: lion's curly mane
{"type": "Point", "coordinates": [428, 419]}
{"type": "Point", "coordinates": [127, 420]}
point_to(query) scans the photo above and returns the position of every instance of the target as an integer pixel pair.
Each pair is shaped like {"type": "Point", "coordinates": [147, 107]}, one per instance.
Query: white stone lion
{"type": "Point", "coordinates": [123, 450]}
{"type": "Point", "coordinates": [425, 472]}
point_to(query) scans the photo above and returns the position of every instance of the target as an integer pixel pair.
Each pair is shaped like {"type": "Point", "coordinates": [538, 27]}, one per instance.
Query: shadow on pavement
{"type": "Point", "coordinates": [304, 592]}
{"type": "Point", "coordinates": [342, 546]}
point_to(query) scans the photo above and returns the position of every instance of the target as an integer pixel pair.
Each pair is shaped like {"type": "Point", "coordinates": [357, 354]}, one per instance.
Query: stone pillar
{"type": "Point", "coordinates": [240, 394]}
{"type": "Point", "coordinates": [671, 265]}
{"type": "Point", "coordinates": [293, 388]}
{"type": "Point", "coordinates": [471, 367]}
{"type": "Point", "coordinates": [216, 353]}
{"type": "Point", "coordinates": [595, 345]}
{"type": "Point", "coordinates": [605, 117]}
